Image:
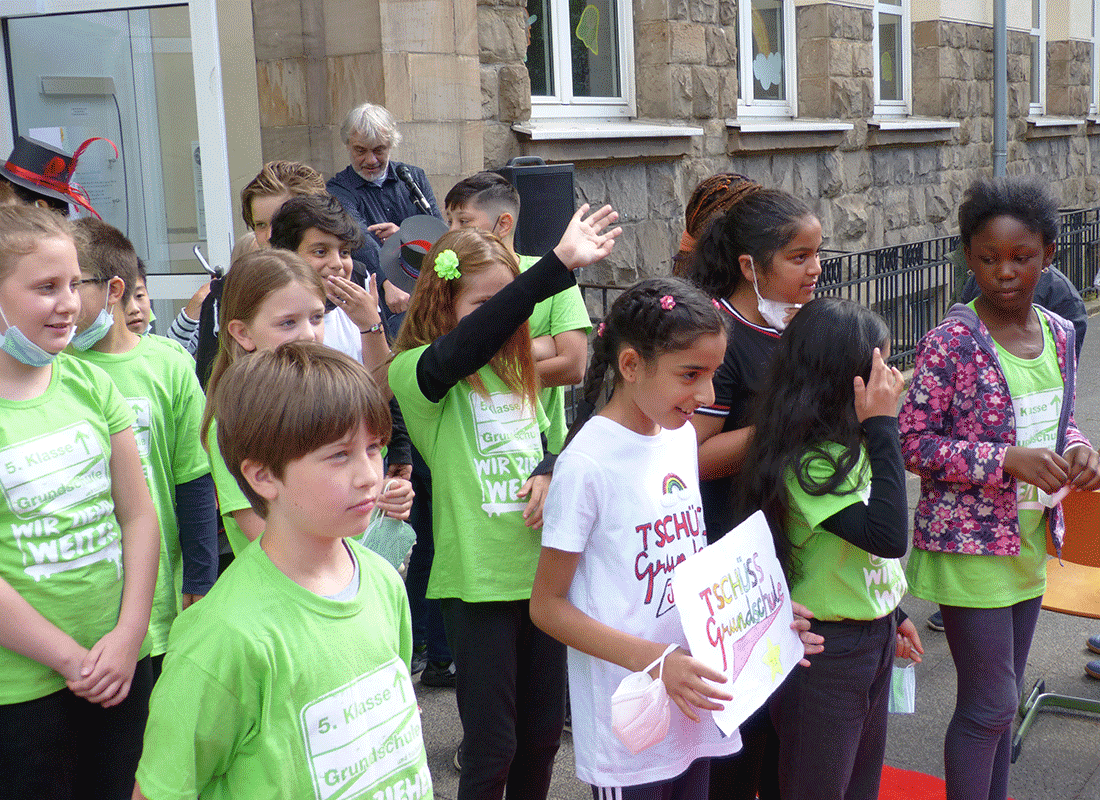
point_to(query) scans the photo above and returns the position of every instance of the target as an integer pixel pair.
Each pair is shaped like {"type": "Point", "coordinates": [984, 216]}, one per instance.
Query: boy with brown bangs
{"type": "Point", "coordinates": [293, 681]}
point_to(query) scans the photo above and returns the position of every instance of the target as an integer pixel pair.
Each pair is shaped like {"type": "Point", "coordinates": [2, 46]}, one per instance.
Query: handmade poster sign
{"type": "Point", "coordinates": [736, 613]}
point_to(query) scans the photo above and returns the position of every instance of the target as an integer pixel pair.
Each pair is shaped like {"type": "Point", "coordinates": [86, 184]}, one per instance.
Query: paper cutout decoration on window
{"type": "Point", "coordinates": [767, 69]}
{"type": "Point", "coordinates": [588, 29]}
{"type": "Point", "coordinates": [767, 65]}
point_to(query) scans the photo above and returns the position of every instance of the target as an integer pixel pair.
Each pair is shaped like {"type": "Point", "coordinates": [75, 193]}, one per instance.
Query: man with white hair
{"type": "Point", "coordinates": [370, 188]}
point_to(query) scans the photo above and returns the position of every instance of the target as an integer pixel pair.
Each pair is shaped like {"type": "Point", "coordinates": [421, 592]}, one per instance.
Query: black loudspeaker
{"type": "Point", "coordinates": [546, 202]}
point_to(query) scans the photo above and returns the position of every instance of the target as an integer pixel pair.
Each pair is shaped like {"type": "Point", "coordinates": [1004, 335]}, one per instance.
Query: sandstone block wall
{"type": "Point", "coordinates": [459, 83]}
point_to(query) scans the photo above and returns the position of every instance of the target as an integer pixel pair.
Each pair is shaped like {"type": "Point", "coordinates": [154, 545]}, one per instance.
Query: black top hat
{"type": "Point", "coordinates": [403, 251]}
{"type": "Point", "coordinates": [47, 171]}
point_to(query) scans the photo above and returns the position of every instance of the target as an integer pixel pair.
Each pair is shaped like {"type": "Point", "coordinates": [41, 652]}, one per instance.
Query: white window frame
{"type": "Point", "coordinates": [209, 102]}
{"type": "Point", "coordinates": [563, 104]}
{"type": "Point", "coordinates": [902, 106]}
{"type": "Point", "coordinates": [747, 105]}
{"type": "Point", "coordinates": [1039, 31]}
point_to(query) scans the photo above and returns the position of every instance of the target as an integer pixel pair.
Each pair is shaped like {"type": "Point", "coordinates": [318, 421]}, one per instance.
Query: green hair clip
{"type": "Point", "coordinates": [446, 265]}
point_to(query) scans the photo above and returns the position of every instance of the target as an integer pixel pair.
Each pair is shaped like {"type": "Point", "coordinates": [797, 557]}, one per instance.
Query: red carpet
{"type": "Point", "coordinates": [902, 784]}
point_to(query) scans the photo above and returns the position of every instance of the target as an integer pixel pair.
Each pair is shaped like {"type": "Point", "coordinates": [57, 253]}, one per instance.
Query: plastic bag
{"type": "Point", "coordinates": [393, 539]}
{"type": "Point", "coordinates": [903, 690]}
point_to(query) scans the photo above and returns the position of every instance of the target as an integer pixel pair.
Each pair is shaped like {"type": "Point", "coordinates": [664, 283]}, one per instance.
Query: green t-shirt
{"type": "Point", "coordinates": [481, 452]}
{"type": "Point", "coordinates": [565, 311]}
{"type": "Point", "coordinates": [230, 496]}
{"type": "Point", "coordinates": [961, 579]}
{"type": "Point", "coordinates": [157, 379]}
{"type": "Point", "coordinates": [60, 544]}
{"type": "Point", "coordinates": [838, 580]}
{"type": "Point", "coordinates": [271, 691]}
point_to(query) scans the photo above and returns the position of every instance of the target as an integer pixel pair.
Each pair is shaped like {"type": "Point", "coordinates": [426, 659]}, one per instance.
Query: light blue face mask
{"type": "Point", "coordinates": [16, 344]}
{"type": "Point", "coordinates": [94, 332]}
{"type": "Point", "coordinates": [149, 327]}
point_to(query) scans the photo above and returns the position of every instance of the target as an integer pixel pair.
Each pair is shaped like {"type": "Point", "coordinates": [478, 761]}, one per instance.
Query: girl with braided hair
{"type": "Point", "coordinates": [755, 251]}
{"type": "Point", "coordinates": [623, 510]}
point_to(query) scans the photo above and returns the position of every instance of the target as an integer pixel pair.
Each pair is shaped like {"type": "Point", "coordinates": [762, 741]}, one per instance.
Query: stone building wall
{"type": "Point", "coordinates": [870, 186]}
{"type": "Point", "coordinates": [318, 59]}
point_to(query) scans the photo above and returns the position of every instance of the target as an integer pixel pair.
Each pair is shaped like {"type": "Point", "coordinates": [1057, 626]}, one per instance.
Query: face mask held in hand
{"type": "Point", "coordinates": [640, 710]}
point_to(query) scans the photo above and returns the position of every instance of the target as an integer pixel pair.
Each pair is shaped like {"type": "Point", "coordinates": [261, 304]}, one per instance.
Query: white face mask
{"type": "Point", "coordinates": [640, 711]}
{"type": "Point", "coordinates": [94, 332]}
{"type": "Point", "coordinates": [16, 344]}
{"type": "Point", "coordinates": [773, 312]}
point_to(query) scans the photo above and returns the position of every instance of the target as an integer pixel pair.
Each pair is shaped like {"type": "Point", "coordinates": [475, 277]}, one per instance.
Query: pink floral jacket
{"type": "Point", "coordinates": [957, 423]}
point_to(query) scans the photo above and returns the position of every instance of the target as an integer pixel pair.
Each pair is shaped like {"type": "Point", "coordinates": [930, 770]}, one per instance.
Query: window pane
{"type": "Point", "coordinates": [131, 80]}
{"type": "Point", "coordinates": [767, 50]}
{"type": "Point", "coordinates": [889, 57]}
{"type": "Point", "coordinates": [1035, 65]}
{"type": "Point", "coordinates": [539, 44]}
{"type": "Point", "coordinates": [594, 38]}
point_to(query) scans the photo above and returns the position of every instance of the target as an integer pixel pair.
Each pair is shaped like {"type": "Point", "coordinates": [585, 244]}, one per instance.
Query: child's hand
{"type": "Point", "coordinates": [383, 230]}
{"type": "Point", "coordinates": [400, 471]}
{"type": "Point", "coordinates": [397, 500]}
{"type": "Point", "coordinates": [812, 643]}
{"type": "Point", "coordinates": [683, 678]}
{"type": "Point", "coordinates": [543, 347]}
{"type": "Point", "coordinates": [881, 395]}
{"type": "Point", "coordinates": [190, 599]}
{"type": "Point", "coordinates": [1037, 466]}
{"type": "Point", "coordinates": [535, 491]}
{"type": "Point", "coordinates": [1084, 468]}
{"type": "Point", "coordinates": [396, 297]}
{"type": "Point", "coordinates": [71, 659]}
{"type": "Point", "coordinates": [583, 243]}
{"type": "Point", "coordinates": [361, 305]}
{"type": "Point", "coordinates": [108, 669]}
{"type": "Point", "coordinates": [909, 645]}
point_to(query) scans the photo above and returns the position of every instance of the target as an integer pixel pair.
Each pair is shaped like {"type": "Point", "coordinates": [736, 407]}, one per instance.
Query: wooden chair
{"type": "Point", "coordinates": [1073, 587]}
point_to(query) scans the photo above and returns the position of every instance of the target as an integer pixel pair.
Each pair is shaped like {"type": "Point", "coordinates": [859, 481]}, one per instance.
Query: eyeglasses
{"type": "Point", "coordinates": [83, 281]}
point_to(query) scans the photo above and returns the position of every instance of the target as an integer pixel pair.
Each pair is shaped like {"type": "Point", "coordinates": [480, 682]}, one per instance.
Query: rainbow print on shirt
{"type": "Point", "coordinates": [672, 483]}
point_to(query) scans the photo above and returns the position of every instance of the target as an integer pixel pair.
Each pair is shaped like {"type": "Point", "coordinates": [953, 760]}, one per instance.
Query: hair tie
{"type": "Point", "coordinates": [687, 242]}
{"type": "Point", "coordinates": [446, 265]}
{"type": "Point", "coordinates": [668, 302]}
{"type": "Point", "coordinates": [600, 329]}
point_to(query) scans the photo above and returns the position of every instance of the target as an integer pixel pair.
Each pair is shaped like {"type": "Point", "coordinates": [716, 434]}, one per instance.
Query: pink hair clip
{"type": "Point", "coordinates": [716, 304]}
{"type": "Point", "coordinates": [600, 329]}
{"type": "Point", "coordinates": [668, 302]}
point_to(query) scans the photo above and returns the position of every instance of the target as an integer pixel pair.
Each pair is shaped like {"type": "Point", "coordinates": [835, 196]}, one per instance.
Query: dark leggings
{"type": "Point", "coordinates": [753, 771]}
{"type": "Point", "coordinates": [831, 715]}
{"type": "Point", "coordinates": [989, 647]}
{"type": "Point", "coordinates": [61, 746]}
{"type": "Point", "coordinates": [511, 698]}
{"type": "Point", "coordinates": [692, 785]}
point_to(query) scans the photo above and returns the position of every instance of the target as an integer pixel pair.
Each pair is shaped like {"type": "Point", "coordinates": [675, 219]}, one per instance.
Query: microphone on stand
{"type": "Point", "coordinates": [419, 200]}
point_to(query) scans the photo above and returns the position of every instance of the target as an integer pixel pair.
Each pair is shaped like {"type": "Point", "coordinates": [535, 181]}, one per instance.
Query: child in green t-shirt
{"type": "Point", "coordinates": [291, 678]}
{"type": "Point", "coordinates": [988, 425]}
{"type": "Point", "coordinates": [157, 379]}
{"type": "Point", "coordinates": [559, 325]}
{"type": "Point", "coordinates": [139, 309]}
{"type": "Point", "coordinates": [270, 297]}
{"type": "Point", "coordinates": [78, 537]}
{"type": "Point", "coordinates": [825, 466]}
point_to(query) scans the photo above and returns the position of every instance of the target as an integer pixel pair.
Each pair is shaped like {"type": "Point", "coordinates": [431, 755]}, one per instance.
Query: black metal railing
{"type": "Point", "coordinates": [910, 285]}
{"type": "Point", "coordinates": [1078, 253]}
